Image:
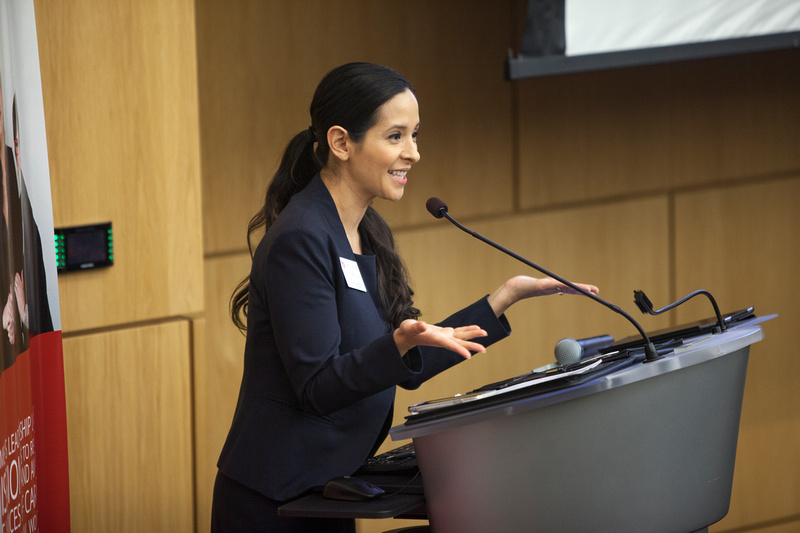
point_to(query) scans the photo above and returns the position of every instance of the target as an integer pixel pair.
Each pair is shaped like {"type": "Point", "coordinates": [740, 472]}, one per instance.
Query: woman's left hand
{"type": "Point", "coordinates": [522, 287]}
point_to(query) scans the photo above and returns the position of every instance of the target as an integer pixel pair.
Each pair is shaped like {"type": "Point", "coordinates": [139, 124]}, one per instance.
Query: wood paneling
{"type": "Point", "coordinates": [119, 84]}
{"type": "Point", "coordinates": [741, 244]}
{"type": "Point", "coordinates": [622, 132]}
{"type": "Point", "coordinates": [218, 365]}
{"type": "Point", "coordinates": [120, 98]}
{"type": "Point", "coordinates": [780, 526]}
{"type": "Point", "coordinates": [260, 63]}
{"type": "Point", "coordinates": [129, 429]}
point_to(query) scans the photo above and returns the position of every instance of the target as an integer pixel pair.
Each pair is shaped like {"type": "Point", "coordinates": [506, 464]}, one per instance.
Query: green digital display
{"type": "Point", "coordinates": [84, 247]}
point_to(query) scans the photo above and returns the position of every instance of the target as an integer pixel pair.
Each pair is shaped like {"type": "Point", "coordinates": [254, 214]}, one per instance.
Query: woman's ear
{"type": "Point", "coordinates": [338, 143]}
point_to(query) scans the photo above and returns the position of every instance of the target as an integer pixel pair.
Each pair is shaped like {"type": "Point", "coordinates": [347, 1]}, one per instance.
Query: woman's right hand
{"type": "Point", "coordinates": [413, 333]}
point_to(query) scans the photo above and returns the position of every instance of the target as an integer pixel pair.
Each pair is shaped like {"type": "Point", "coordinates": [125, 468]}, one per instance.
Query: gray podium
{"type": "Point", "coordinates": [648, 448]}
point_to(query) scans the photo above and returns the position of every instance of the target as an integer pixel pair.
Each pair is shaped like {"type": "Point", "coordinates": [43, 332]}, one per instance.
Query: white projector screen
{"type": "Point", "coordinates": [567, 36]}
{"type": "Point", "coordinates": [597, 26]}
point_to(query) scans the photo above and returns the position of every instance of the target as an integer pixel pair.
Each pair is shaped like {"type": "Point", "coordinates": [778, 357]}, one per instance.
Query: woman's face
{"type": "Point", "coordinates": [384, 156]}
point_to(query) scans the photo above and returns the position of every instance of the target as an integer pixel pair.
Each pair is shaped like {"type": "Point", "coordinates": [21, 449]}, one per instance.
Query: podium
{"type": "Point", "coordinates": [647, 448]}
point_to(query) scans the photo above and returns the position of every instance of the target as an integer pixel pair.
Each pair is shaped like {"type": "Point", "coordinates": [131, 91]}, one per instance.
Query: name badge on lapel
{"type": "Point", "coordinates": [352, 274]}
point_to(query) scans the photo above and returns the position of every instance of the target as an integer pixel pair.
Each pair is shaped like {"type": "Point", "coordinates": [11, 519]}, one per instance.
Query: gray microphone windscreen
{"type": "Point", "coordinates": [568, 351]}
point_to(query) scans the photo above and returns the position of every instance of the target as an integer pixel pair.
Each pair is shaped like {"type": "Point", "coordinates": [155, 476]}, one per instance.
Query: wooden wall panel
{"type": "Point", "coordinates": [218, 365]}
{"type": "Point", "coordinates": [452, 52]}
{"type": "Point", "coordinates": [119, 83]}
{"type": "Point", "coordinates": [120, 99]}
{"type": "Point", "coordinates": [129, 429]}
{"type": "Point", "coordinates": [622, 132]}
{"type": "Point", "coordinates": [740, 243]}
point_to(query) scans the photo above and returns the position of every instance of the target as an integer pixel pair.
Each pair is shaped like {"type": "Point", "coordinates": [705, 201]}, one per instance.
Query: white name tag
{"type": "Point", "coordinates": [352, 274]}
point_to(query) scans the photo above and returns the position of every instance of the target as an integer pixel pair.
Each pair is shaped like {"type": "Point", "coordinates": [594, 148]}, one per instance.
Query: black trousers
{"type": "Point", "coordinates": [239, 509]}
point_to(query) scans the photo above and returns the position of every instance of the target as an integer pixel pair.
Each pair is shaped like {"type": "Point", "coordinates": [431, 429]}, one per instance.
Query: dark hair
{"type": "Point", "coordinates": [349, 96]}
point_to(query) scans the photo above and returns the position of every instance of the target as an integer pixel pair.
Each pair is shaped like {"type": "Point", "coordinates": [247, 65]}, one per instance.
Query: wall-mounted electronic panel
{"type": "Point", "coordinates": [84, 247]}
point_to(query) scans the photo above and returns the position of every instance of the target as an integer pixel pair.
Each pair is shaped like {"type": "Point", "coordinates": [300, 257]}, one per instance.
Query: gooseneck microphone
{"type": "Point", "coordinates": [438, 209]}
{"type": "Point", "coordinates": [646, 306]}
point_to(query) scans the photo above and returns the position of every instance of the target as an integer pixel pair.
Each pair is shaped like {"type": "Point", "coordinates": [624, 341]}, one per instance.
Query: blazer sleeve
{"type": "Point", "coordinates": [431, 361]}
{"type": "Point", "coordinates": [334, 345]}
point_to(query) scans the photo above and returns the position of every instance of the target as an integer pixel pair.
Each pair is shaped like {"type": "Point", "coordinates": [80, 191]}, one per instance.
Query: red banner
{"type": "Point", "coordinates": [34, 476]}
{"type": "Point", "coordinates": [34, 479]}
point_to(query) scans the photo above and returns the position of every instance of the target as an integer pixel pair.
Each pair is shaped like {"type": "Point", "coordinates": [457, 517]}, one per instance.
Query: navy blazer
{"type": "Point", "coordinates": [320, 365]}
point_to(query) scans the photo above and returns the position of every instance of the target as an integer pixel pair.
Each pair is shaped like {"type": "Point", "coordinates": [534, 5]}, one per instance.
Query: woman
{"type": "Point", "coordinates": [331, 326]}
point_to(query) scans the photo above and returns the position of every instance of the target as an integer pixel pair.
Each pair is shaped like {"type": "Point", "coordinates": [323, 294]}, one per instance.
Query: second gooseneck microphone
{"type": "Point", "coordinates": [438, 209]}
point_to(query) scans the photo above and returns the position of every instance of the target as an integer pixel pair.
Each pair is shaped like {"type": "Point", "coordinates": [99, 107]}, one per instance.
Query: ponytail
{"type": "Point", "coordinates": [298, 167]}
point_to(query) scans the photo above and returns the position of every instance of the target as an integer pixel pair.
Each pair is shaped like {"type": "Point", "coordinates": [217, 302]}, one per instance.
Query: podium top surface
{"type": "Point", "coordinates": [692, 352]}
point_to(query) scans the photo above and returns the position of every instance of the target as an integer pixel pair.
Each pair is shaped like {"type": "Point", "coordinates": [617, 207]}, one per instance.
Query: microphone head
{"type": "Point", "coordinates": [568, 351]}
{"type": "Point", "coordinates": [436, 207]}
